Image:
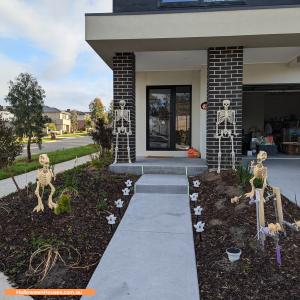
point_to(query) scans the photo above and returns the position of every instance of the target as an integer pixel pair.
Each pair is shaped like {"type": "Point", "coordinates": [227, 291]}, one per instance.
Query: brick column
{"type": "Point", "coordinates": [124, 89]}
{"type": "Point", "coordinates": [225, 81]}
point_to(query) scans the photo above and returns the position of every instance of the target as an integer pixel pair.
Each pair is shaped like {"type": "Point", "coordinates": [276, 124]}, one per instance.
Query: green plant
{"type": "Point", "coordinates": [244, 174]}
{"type": "Point", "coordinates": [102, 205]}
{"type": "Point", "coordinates": [63, 205]}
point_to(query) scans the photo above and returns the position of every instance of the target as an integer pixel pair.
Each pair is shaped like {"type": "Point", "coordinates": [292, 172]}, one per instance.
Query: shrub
{"type": "Point", "coordinates": [245, 174]}
{"type": "Point", "coordinates": [63, 205]}
{"type": "Point", "coordinates": [102, 205]}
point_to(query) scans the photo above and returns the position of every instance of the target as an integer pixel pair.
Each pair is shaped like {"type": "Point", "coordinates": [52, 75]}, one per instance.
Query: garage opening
{"type": "Point", "coordinates": [271, 119]}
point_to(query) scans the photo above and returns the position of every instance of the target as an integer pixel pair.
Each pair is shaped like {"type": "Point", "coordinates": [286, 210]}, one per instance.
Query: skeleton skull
{"type": "Point", "coordinates": [262, 156]}
{"type": "Point", "coordinates": [226, 104]}
{"type": "Point", "coordinates": [122, 103]}
{"type": "Point", "coordinates": [44, 159]}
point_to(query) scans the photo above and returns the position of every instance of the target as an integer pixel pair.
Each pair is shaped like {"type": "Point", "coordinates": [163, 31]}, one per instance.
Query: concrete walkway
{"type": "Point", "coordinates": [151, 255]}
{"type": "Point", "coordinates": [4, 284]}
{"type": "Point", "coordinates": [7, 186]}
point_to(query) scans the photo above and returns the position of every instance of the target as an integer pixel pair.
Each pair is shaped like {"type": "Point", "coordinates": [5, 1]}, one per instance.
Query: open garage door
{"type": "Point", "coordinates": [271, 119]}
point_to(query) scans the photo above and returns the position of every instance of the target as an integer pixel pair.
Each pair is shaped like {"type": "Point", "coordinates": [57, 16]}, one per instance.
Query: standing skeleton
{"type": "Point", "coordinates": [122, 115]}
{"type": "Point", "coordinates": [44, 178]}
{"type": "Point", "coordinates": [226, 117]}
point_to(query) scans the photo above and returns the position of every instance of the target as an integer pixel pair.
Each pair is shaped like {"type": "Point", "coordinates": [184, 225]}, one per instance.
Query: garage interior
{"type": "Point", "coordinates": [271, 119]}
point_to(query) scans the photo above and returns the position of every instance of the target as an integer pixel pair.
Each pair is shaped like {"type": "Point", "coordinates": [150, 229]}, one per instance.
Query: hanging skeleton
{"type": "Point", "coordinates": [226, 117]}
{"type": "Point", "coordinates": [44, 178]}
{"type": "Point", "coordinates": [122, 116]}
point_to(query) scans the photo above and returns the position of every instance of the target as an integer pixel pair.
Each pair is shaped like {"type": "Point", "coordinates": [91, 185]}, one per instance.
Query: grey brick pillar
{"type": "Point", "coordinates": [124, 89]}
{"type": "Point", "coordinates": [225, 81]}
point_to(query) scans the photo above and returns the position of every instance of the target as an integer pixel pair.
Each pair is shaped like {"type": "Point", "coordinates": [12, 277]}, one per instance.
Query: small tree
{"type": "Point", "coordinates": [10, 148]}
{"type": "Point", "coordinates": [102, 135]}
{"type": "Point", "coordinates": [97, 110]}
{"type": "Point", "coordinates": [74, 121]}
{"type": "Point", "coordinates": [110, 112]}
{"type": "Point", "coordinates": [88, 121]}
{"type": "Point", "coordinates": [26, 98]}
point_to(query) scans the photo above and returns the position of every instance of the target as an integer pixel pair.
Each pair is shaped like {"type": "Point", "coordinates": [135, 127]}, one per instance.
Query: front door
{"type": "Point", "coordinates": [169, 118]}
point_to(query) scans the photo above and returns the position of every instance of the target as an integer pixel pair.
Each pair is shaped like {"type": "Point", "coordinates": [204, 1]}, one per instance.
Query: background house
{"type": "Point", "coordinates": [60, 118]}
{"type": "Point", "coordinates": [5, 115]}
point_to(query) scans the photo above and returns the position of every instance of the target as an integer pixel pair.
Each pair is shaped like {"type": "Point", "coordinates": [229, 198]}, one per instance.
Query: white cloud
{"type": "Point", "coordinates": [56, 27]}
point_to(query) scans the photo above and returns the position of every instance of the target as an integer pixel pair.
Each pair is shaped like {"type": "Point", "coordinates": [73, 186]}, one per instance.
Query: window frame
{"type": "Point", "coordinates": [199, 3]}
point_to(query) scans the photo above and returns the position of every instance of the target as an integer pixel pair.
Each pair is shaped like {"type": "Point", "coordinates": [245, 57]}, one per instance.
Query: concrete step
{"type": "Point", "coordinates": [162, 184]}
{"type": "Point", "coordinates": [140, 169]}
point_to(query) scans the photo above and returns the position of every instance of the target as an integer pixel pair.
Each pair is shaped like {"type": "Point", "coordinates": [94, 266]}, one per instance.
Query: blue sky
{"type": "Point", "coordinates": [46, 39]}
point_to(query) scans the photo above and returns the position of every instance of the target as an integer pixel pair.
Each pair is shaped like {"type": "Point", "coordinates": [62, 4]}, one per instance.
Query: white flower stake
{"type": "Point", "coordinates": [196, 183]}
{"type": "Point", "coordinates": [119, 203]}
{"type": "Point", "coordinates": [128, 183]}
{"type": "Point", "coordinates": [198, 211]}
{"type": "Point", "coordinates": [111, 220]}
{"type": "Point", "coordinates": [126, 192]}
{"type": "Point", "coordinates": [194, 197]}
{"type": "Point", "coordinates": [200, 228]}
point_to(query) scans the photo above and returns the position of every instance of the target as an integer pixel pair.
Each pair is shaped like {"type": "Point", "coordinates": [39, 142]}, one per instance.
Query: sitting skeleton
{"type": "Point", "coordinates": [44, 178]}
{"type": "Point", "coordinates": [259, 172]}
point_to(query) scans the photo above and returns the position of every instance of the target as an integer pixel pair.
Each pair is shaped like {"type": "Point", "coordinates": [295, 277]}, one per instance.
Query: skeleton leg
{"type": "Point", "coordinates": [232, 153]}
{"type": "Point", "coordinates": [128, 149]}
{"type": "Point", "coordinates": [252, 193]}
{"type": "Point", "coordinates": [40, 206]}
{"type": "Point", "coordinates": [51, 204]}
{"type": "Point", "coordinates": [116, 148]}
{"type": "Point", "coordinates": [219, 156]}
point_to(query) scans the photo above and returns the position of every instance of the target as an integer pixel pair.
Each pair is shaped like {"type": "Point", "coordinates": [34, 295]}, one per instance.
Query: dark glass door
{"type": "Point", "coordinates": [169, 118]}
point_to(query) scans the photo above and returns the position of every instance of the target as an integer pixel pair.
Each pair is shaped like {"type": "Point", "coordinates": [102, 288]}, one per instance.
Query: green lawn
{"type": "Point", "coordinates": [23, 166]}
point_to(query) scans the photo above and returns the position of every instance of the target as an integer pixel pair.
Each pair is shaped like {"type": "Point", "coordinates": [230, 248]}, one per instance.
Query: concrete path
{"type": "Point", "coordinates": [4, 284]}
{"type": "Point", "coordinates": [151, 255]}
{"type": "Point", "coordinates": [7, 186]}
{"type": "Point", "coordinates": [285, 173]}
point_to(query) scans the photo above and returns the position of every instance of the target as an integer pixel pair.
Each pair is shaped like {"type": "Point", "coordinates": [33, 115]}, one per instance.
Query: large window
{"type": "Point", "coordinates": [186, 3]}
{"type": "Point", "coordinates": [169, 118]}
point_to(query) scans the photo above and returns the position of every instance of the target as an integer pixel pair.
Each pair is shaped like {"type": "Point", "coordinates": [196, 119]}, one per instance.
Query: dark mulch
{"type": "Point", "coordinates": [85, 229]}
{"type": "Point", "coordinates": [256, 275]}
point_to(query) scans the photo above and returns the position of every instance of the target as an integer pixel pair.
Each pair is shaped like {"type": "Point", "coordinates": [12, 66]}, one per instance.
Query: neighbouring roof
{"type": "Point", "coordinates": [48, 109]}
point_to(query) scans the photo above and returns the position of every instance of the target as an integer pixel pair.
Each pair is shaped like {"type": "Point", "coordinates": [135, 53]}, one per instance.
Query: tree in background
{"type": "Point", "coordinates": [97, 110]}
{"type": "Point", "coordinates": [74, 121]}
{"type": "Point", "coordinates": [110, 112]}
{"type": "Point", "coordinates": [26, 98]}
{"type": "Point", "coordinates": [102, 135]}
{"type": "Point", "coordinates": [88, 121]}
{"type": "Point", "coordinates": [10, 148]}
{"type": "Point", "coordinates": [51, 126]}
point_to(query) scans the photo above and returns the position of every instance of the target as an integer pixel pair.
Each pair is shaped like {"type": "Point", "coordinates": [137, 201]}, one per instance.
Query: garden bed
{"type": "Point", "coordinates": [256, 275]}
{"type": "Point", "coordinates": [81, 237]}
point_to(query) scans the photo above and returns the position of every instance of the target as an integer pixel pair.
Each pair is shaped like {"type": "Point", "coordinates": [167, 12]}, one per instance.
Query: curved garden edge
{"type": "Point", "coordinates": [80, 237]}
{"type": "Point", "coordinates": [256, 275]}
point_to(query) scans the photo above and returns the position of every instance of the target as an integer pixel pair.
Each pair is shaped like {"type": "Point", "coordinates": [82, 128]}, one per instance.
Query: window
{"type": "Point", "coordinates": [187, 3]}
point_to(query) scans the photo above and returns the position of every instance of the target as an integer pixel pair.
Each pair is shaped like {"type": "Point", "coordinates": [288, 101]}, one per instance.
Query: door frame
{"type": "Point", "coordinates": [172, 116]}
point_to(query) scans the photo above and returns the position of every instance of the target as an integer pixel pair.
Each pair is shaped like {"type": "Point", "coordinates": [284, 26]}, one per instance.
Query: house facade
{"type": "Point", "coordinates": [60, 118]}
{"type": "Point", "coordinates": [176, 61]}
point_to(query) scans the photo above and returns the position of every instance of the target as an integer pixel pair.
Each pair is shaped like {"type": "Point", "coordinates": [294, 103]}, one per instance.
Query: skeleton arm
{"type": "Point", "coordinates": [218, 123]}
{"type": "Point", "coordinates": [234, 123]}
{"type": "Point", "coordinates": [129, 123]}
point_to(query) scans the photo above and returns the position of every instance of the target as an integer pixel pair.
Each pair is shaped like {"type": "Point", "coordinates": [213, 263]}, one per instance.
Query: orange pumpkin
{"type": "Point", "coordinates": [193, 153]}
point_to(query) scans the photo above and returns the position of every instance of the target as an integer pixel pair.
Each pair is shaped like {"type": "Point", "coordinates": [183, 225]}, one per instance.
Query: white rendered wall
{"type": "Point", "coordinates": [144, 79]}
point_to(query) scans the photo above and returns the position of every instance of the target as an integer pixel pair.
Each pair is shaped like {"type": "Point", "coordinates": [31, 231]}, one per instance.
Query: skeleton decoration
{"type": "Point", "coordinates": [194, 197]}
{"type": "Point", "coordinates": [196, 183]}
{"type": "Point", "coordinates": [122, 115]}
{"type": "Point", "coordinates": [259, 172]}
{"type": "Point", "coordinates": [44, 178]}
{"type": "Point", "coordinates": [126, 192]}
{"type": "Point", "coordinates": [226, 119]}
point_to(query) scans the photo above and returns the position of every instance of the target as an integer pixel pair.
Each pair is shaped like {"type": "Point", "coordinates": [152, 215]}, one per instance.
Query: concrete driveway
{"type": "Point", "coordinates": [285, 173]}
{"type": "Point", "coordinates": [59, 145]}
